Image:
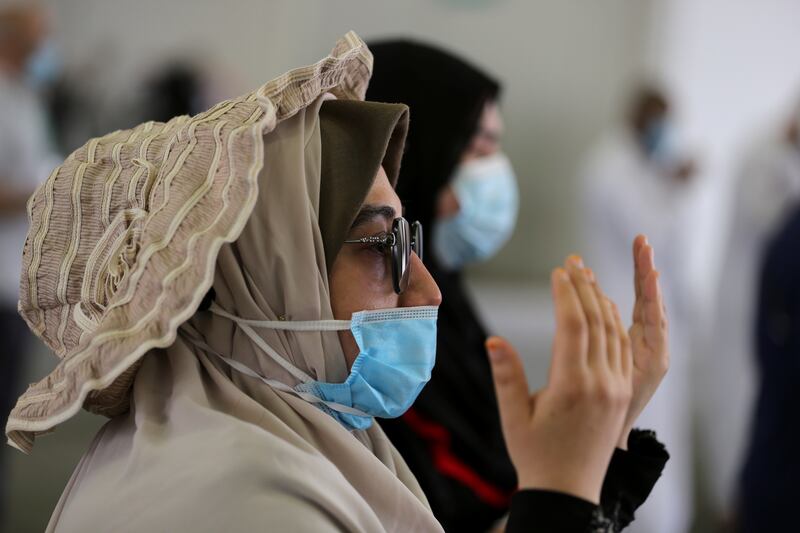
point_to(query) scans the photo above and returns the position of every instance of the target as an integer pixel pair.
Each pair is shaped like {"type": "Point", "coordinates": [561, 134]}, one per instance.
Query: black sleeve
{"type": "Point", "coordinates": [545, 511]}
{"type": "Point", "coordinates": [631, 476]}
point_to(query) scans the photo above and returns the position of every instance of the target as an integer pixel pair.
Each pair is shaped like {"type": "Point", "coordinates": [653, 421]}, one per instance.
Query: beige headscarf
{"type": "Point", "coordinates": [124, 236]}
{"type": "Point", "coordinates": [205, 448]}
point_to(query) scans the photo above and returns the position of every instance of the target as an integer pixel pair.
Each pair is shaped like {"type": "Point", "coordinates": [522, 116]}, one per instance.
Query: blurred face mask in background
{"type": "Point", "coordinates": [43, 66]}
{"type": "Point", "coordinates": [488, 199]}
{"type": "Point", "coordinates": [656, 139]}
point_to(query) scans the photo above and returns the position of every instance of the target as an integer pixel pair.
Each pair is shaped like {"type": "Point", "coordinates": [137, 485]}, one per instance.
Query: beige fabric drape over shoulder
{"type": "Point", "coordinates": [207, 449]}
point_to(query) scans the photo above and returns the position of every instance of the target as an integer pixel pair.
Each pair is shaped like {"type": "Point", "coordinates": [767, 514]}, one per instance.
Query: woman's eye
{"type": "Point", "coordinates": [379, 248]}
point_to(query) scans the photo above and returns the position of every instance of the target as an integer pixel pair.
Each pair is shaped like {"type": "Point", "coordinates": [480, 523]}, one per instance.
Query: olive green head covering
{"type": "Point", "coordinates": [357, 138]}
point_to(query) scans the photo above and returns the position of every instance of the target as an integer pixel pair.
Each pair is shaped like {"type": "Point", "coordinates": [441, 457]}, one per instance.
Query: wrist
{"type": "Point", "coordinates": [622, 443]}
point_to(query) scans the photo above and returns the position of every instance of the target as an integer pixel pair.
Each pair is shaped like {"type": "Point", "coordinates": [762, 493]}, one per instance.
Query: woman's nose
{"type": "Point", "coordinates": [422, 289]}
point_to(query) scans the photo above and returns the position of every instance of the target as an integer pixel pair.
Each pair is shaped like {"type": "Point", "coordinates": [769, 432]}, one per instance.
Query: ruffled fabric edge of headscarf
{"type": "Point", "coordinates": [99, 373]}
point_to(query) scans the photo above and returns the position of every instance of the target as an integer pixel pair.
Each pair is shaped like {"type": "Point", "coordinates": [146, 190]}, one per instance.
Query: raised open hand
{"type": "Point", "coordinates": [648, 334]}
{"type": "Point", "coordinates": [562, 437]}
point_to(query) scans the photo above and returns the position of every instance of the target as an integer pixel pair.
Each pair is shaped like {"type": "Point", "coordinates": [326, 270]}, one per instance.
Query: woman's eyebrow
{"type": "Point", "coordinates": [370, 212]}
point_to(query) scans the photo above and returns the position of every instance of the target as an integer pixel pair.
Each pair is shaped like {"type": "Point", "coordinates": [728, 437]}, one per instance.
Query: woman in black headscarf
{"type": "Point", "coordinates": [456, 181]}
{"type": "Point", "coordinates": [451, 438]}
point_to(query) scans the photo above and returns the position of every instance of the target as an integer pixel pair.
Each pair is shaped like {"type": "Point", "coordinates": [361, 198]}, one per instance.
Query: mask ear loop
{"type": "Point", "coordinates": [236, 365]}
{"type": "Point", "coordinates": [287, 325]}
{"type": "Point", "coordinates": [310, 325]}
{"type": "Point", "coordinates": [266, 348]}
{"type": "Point", "coordinates": [245, 326]}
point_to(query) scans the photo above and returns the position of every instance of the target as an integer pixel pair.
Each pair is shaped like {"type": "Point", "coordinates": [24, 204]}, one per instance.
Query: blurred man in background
{"type": "Point", "coordinates": [635, 181]}
{"type": "Point", "coordinates": [25, 160]}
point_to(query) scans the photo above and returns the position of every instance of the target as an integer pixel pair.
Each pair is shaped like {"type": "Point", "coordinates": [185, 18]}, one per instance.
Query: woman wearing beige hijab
{"type": "Point", "coordinates": [238, 293]}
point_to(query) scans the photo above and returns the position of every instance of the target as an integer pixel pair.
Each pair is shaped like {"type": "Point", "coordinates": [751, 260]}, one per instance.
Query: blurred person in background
{"type": "Point", "coordinates": [767, 189]}
{"type": "Point", "coordinates": [173, 89]}
{"type": "Point", "coordinates": [26, 159]}
{"type": "Point", "coordinates": [187, 84]}
{"type": "Point", "coordinates": [769, 480]}
{"type": "Point", "coordinates": [635, 180]}
{"type": "Point", "coordinates": [457, 182]}
{"type": "Point", "coordinates": [85, 102]}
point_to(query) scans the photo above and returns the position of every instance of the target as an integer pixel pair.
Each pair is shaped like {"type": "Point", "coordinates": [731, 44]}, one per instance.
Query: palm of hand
{"type": "Point", "coordinates": [648, 334]}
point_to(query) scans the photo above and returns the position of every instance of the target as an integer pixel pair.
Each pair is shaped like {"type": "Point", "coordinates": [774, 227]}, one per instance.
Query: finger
{"type": "Point", "coordinates": [655, 319]}
{"type": "Point", "coordinates": [571, 343]}
{"type": "Point", "coordinates": [511, 387]}
{"type": "Point", "coordinates": [610, 328]}
{"type": "Point", "coordinates": [638, 242]}
{"type": "Point", "coordinates": [643, 266]}
{"type": "Point", "coordinates": [626, 353]}
{"type": "Point", "coordinates": [614, 352]}
{"type": "Point", "coordinates": [581, 279]}
{"type": "Point", "coordinates": [646, 262]}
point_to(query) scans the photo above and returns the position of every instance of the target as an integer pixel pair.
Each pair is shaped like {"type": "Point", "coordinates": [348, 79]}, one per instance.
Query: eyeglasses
{"type": "Point", "coordinates": [398, 244]}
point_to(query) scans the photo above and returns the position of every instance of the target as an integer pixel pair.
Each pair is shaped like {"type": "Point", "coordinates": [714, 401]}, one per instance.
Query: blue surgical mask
{"type": "Point", "coordinates": [656, 139]}
{"type": "Point", "coordinates": [488, 200]}
{"type": "Point", "coordinates": [43, 66]}
{"type": "Point", "coordinates": [397, 351]}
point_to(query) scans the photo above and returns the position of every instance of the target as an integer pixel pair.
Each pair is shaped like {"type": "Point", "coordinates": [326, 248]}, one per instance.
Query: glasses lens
{"type": "Point", "coordinates": [401, 254]}
{"type": "Point", "coordinates": [417, 243]}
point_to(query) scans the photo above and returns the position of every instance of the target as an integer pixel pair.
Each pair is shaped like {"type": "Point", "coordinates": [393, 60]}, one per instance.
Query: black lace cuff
{"type": "Point", "coordinates": [631, 476]}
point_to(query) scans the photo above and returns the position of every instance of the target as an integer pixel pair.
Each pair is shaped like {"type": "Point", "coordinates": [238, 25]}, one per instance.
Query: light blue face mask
{"type": "Point", "coordinates": [657, 141]}
{"type": "Point", "coordinates": [43, 66]}
{"type": "Point", "coordinates": [396, 357]}
{"type": "Point", "coordinates": [488, 199]}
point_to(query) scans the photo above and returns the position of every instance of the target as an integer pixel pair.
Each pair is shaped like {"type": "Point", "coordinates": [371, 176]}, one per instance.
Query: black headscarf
{"type": "Point", "coordinates": [451, 437]}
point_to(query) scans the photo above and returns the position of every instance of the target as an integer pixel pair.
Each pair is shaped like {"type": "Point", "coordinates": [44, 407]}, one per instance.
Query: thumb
{"type": "Point", "coordinates": [510, 385]}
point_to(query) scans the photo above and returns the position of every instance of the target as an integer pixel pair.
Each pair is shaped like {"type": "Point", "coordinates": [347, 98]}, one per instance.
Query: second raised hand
{"type": "Point", "coordinates": [562, 437]}
{"type": "Point", "coordinates": [648, 334]}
